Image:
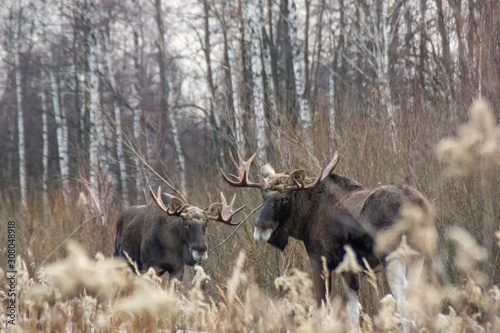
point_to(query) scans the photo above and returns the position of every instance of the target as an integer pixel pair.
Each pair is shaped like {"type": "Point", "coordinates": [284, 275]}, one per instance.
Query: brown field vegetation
{"type": "Point", "coordinates": [75, 285]}
{"type": "Point", "coordinates": [101, 98]}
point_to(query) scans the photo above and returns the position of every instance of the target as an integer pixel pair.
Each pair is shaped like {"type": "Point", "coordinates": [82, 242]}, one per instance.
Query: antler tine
{"type": "Point", "coordinates": [176, 211]}
{"type": "Point", "coordinates": [331, 166]}
{"type": "Point", "coordinates": [226, 214]}
{"type": "Point", "coordinates": [300, 185]}
{"type": "Point", "coordinates": [157, 199]}
{"type": "Point", "coordinates": [323, 174]}
{"type": "Point", "coordinates": [231, 157]}
{"type": "Point", "coordinates": [242, 179]}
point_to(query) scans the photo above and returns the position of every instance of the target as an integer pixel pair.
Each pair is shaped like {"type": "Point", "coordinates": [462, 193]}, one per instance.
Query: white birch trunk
{"type": "Point", "coordinates": [331, 89]}
{"type": "Point", "coordinates": [384, 73]}
{"type": "Point", "coordinates": [296, 56]}
{"type": "Point", "coordinates": [20, 117]}
{"type": "Point", "coordinates": [96, 137]}
{"type": "Point", "coordinates": [45, 133]}
{"type": "Point", "coordinates": [136, 104]}
{"type": "Point", "coordinates": [121, 159]}
{"type": "Point", "coordinates": [255, 32]}
{"type": "Point", "coordinates": [178, 151]}
{"type": "Point", "coordinates": [92, 86]}
{"type": "Point", "coordinates": [377, 56]}
{"type": "Point", "coordinates": [297, 61]}
{"type": "Point", "coordinates": [238, 135]}
{"type": "Point", "coordinates": [62, 130]}
{"type": "Point", "coordinates": [104, 132]}
{"type": "Point", "coordinates": [118, 119]}
{"type": "Point", "coordinates": [259, 85]}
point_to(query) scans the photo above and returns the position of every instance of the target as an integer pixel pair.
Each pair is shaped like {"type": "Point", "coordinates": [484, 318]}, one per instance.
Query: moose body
{"type": "Point", "coordinates": [167, 238]}
{"type": "Point", "coordinates": [333, 211]}
{"type": "Point", "coordinates": [153, 239]}
{"type": "Point", "coordinates": [336, 213]}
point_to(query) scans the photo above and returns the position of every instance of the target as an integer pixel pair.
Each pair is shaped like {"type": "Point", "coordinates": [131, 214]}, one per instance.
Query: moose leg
{"type": "Point", "coordinates": [414, 270]}
{"type": "Point", "coordinates": [396, 276]}
{"type": "Point", "coordinates": [351, 287]}
{"type": "Point", "coordinates": [318, 282]}
{"type": "Point", "coordinates": [177, 273]}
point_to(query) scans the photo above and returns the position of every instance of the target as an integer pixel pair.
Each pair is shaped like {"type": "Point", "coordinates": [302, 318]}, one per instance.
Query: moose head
{"type": "Point", "coordinates": [278, 193]}
{"type": "Point", "coordinates": [194, 220]}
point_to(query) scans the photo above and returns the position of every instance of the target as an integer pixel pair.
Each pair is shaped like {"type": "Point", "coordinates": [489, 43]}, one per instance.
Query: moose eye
{"type": "Point", "coordinates": [186, 225]}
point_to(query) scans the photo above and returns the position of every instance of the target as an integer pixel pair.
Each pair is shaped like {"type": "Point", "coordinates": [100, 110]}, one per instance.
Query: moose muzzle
{"type": "Point", "coordinates": [199, 255]}
{"type": "Point", "coordinates": [199, 252]}
{"type": "Point", "coordinates": [266, 222]}
{"type": "Point", "coordinates": [262, 234]}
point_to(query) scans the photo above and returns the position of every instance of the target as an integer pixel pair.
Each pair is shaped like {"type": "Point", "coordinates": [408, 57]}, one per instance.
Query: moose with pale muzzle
{"type": "Point", "coordinates": [167, 233]}
{"type": "Point", "coordinates": [330, 212]}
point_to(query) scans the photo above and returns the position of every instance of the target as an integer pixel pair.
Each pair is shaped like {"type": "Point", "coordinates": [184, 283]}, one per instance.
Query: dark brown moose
{"type": "Point", "coordinates": [330, 212]}
{"type": "Point", "coordinates": [168, 233]}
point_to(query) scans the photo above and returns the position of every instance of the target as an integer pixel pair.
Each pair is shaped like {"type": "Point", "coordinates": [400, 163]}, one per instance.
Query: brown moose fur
{"type": "Point", "coordinates": [152, 238]}
{"type": "Point", "coordinates": [338, 212]}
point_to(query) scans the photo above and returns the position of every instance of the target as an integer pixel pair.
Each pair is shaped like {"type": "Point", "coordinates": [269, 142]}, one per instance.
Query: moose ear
{"type": "Point", "coordinates": [297, 175]}
{"type": "Point", "coordinates": [214, 209]}
{"type": "Point", "coordinates": [266, 171]}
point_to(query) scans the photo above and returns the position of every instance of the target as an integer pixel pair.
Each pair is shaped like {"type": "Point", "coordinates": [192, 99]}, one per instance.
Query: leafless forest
{"type": "Point", "coordinates": [101, 98]}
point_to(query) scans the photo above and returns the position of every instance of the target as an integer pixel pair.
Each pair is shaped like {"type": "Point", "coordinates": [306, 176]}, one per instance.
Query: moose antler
{"type": "Point", "coordinates": [243, 171]}
{"type": "Point", "coordinates": [324, 173]}
{"type": "Point", "coordinates": [226, 214]}
{"type": "Point", "coordinates": [157, 198]}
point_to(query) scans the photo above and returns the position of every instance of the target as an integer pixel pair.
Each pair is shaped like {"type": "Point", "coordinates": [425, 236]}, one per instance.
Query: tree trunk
{"type": "Point", "coordinates": [340, 66]}
{"type": "Point", "coordinates": [60, 118]}
{"type": "Point", "coordinates": [313, 104]}
{"type": "Point", "coordinates": [210, 82]}
{"type": "Point", "coordinates": [289, 101]}
{"type": "Point", "coordinates": [20, 113]}
{"type": "Point", "coordinates": [246, 90]}
{"type": "Point", "coordinates": [423, 45]}
{"type": "Point", "coordinates": [120, 172]}
{"type": "Point", "coordinates": [228, 118]}
{"type": "Point", "coordinates": [444, 41]}
{"type": "Point", "coordinates": [320, 115]}
{"type": "Point", "coordinates": [170, 121]}
{"type": "Point", "coordinates": [307, 84]}
{"type": "Point", "coordinates": [274, 60]}
{"type": "Point", "coordinates": [45, 143]}
{"type": "Point", "coordinates": [135, 149]}
{"type": "Point", "coordinates": [92, 85]}
{"type": "Point", "coordinates": [266, 102]}
{"type": "Point", "coordinates": [465, 93]}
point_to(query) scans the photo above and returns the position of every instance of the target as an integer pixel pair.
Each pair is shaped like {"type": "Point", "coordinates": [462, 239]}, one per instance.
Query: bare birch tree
{"type": "Point", "coordinates": [16, 28]}
{"type": "Point", "coordinates": [120, 173]}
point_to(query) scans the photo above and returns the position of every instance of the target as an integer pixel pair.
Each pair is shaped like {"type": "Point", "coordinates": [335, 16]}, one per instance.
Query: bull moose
{"type": "Point", "coordinates": [331, 211]}
{"type": "Point", "coordinates": [167, 233]}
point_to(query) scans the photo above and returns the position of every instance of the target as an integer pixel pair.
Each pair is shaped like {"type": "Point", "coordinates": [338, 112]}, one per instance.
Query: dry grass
{"type": "Point", "coordinates": [83, 294]}
{"type": "Point", "coordinates": [63, 286]}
